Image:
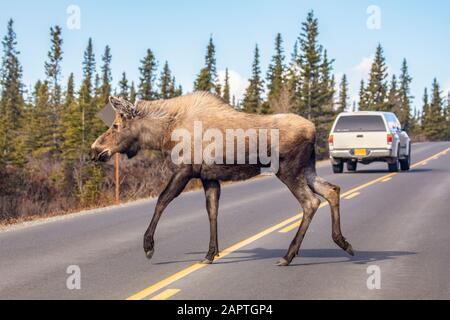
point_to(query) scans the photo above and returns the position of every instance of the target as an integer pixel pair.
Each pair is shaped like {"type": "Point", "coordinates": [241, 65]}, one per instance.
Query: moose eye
{"type": "Point", "coordinates": [115, 126]}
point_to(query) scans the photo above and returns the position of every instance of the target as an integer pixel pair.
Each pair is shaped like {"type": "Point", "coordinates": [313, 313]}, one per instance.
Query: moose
{"type": "Point", "coordinates": [150, 125]}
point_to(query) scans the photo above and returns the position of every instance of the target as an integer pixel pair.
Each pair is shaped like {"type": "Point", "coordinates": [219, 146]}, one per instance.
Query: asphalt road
{"type": "Point", "coordinates": [398, 225]}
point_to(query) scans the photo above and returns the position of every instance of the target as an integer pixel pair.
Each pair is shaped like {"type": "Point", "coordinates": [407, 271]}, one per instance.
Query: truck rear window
{"type": "Point", "coordinates": [359, 123]}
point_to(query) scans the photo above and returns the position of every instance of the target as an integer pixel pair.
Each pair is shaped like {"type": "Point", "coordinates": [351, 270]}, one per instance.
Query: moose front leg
{"type": "Point", "coordinates": [212, 193]}
{"type": "Point", "coordinates": [172, 190]}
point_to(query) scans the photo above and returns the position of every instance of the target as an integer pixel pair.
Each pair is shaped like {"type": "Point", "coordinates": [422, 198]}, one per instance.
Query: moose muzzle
{"type": "Point", "coordinates": [100, 155]}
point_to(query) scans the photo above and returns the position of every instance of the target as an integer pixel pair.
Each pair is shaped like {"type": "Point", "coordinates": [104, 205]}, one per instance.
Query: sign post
{"type": "Point", "coordinates": [117, 179]}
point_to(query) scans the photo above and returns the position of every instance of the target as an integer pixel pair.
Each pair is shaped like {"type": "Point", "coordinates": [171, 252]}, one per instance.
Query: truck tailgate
{"type": "Point", "coordinates": [369, 140]}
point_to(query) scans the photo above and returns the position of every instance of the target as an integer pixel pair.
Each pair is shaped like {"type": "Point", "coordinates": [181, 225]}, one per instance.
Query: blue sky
{"type": "Point", "coordinates": [178, 31]}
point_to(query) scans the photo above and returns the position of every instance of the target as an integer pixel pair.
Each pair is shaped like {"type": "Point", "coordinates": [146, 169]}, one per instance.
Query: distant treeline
{"type": "Point", "coordinates": [46, 132]}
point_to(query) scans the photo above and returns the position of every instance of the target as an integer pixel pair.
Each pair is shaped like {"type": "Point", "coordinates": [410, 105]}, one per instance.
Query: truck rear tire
{"type": "Point", "coordinates": [338, 168]}
{"type": "Point", "coordinates": [406, 162]}
{"type": "Point", "coordinates": [393, 167]}
{"type": "Point", "coordinates": [352, 165]}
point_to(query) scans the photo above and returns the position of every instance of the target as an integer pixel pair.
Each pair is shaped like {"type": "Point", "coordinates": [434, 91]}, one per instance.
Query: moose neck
{"type": "Point", "coordinates": [151, 131]}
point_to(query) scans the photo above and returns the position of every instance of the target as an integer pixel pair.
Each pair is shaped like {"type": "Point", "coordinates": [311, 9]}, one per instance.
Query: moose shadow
{"type": "Point", "coordinates": [329, 256]}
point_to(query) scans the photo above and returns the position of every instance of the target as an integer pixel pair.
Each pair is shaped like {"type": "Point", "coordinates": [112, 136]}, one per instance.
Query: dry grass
{"type": "Point", "coordinates": [38, 192]}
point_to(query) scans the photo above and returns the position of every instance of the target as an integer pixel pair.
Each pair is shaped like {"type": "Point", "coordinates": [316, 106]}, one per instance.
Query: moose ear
{"type": "Point", "coordinates": [123, 107]}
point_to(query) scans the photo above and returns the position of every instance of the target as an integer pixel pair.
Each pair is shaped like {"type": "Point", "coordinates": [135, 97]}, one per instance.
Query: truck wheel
{"type": "Point", "coordinates": [351, 165]}
{"type": "Point", "coordinates": [406, 162]}
{"type": "Point", "coordinates": [338, 168]}
{"type": "Point", "coordinates": [393, 167]}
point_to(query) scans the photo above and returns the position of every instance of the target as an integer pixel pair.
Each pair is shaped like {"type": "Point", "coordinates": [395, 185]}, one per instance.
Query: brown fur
{"type": "Point", "coordinates": [149, 125]}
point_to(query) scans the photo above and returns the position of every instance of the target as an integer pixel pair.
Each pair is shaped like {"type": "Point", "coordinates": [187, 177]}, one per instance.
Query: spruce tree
{"type": "Point", "coordinates": [172, 88]}
{"type": "Point", "coordinates": [252, 99]}
{"type": "Point", "coordinates": [11, 101]}
{"type": "Point", "coordinates": [310, 60]}
{"type": "Point", "coordinates": [133, 93]}
{"type": "Point", "coordinates": [146, 88]}
{"type": "Point", "coordinates": [325, 111]}
{"type": "Point", "coordinates": [71, 125]}
{"type": "Point", "coordinates": [275, 73]}
{"type": "Point", "coordinates": [393, 104]}
{"type": "Point", "coordinates": [53, 73]}
{"type": "Point", "coordinates": [178, 90]}
{"type": "Point", "coordinates": [327, 84]}
{"type": "Point", "coordinates": [41, 128]}
{"type": "Point", "coordinates": [218, 88]}
{"type": "Point", "coordinates": [363, 104]}
{"type": "Point", "coordinates": [376, 91]}
{"type": "Point", "coordinates": [70, 92]}
{"type": "Point", "coordinates": [404, 114]}
{"type": "Point", "coordinates": [434, 128]}
{"type": "Point", "coordinates": [92, 125]}
{"type": "Point", "coordinates": [106, 77]}
{"type": "Point", "coordinates": [315, 94]}
{"type": "Point", "coordinates": [293, 76]}
{"type": "Point", "coordinates": [316, 84]}
{"type": "Point", "coordinates": [290, 93]}
{"type": "Point", "coordinates": [97, 90]}
{"type": "Point", "coordinates": [426, 112]}
{"type": "Point", "coordinates": [72, 154]}
{"type": "Point", "coordinates": [414, 128]}
{"type": "Point", "coordinates": [166, 86]}
{"type": "Point", "coordinates": [226, 87]}
{"type": "Point", "coordinates": [207, 78]}
{"type": "Point", "coordinates": [123, 87]}
{"type": "Point", "coordinates": [82, 118]}
{"type": "Point", "coordinates": [343, 95]}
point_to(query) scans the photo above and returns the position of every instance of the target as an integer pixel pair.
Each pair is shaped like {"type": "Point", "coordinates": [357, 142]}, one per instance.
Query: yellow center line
{"type": "Point", "coordinates": [183, 273]}
{"type": "Point", "coordinates": [355, 194]}
{"type": "Point", "coordinates": [293, 226]}
{"type": "Point", "coordinates": [166, 294]}
{"type": "Point", "coordinates": [430, 158]}
{"type": "Point", "coordinates": [349, 192]}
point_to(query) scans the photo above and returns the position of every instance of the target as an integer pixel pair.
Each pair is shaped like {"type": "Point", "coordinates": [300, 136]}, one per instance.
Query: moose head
{"type": "Point", "coordinates": [122, 136]}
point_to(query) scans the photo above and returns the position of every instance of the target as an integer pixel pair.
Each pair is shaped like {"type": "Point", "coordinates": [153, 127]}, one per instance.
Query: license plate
{"type": "Point", "coordinates": [360, 152]}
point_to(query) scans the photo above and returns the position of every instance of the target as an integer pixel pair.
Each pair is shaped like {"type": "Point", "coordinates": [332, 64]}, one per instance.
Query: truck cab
{"type": "Point", "coordinates": [368, 136]}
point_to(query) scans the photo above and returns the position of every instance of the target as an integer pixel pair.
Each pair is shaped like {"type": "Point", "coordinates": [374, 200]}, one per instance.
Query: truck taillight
{"type": "Point", "coordinates": [389, 138]}
{"type": "Point", "coordinates": [331, 139]}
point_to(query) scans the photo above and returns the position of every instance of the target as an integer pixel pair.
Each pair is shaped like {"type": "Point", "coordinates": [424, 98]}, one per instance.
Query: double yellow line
{"type": "Point", "coordinates": [287, 225]}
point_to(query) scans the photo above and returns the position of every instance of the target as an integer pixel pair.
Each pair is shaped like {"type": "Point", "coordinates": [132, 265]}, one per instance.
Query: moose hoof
{"type": "Point", "coordinates": [149, 253]}
{"type": "Point", "coordinates": [349, 250]}
{"type": "Point", "coordinates": [206, 261]}
{"type": "Point", "coordinates": [282, 262]}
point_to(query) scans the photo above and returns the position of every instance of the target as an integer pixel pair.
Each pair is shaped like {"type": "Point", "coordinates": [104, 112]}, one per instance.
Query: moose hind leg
{"type": "Point", "coordinates": [310, 203]}
{"type": "Point", "coordinates": [212, 193]}
{"type": "Point", "coordinates": [172, 190]}
{"type": "Point", "coordinates": [331, 193]}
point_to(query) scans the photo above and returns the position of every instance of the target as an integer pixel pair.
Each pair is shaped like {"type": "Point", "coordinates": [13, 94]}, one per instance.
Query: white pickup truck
{"type": "Point", "coordinates": [368, 136]}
